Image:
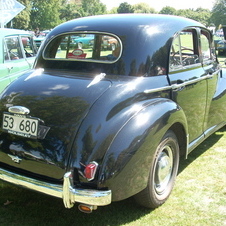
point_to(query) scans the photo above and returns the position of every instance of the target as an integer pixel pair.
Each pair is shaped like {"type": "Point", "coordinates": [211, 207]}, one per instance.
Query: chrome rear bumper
{"type": "Point", "coordinates": [67, 192]}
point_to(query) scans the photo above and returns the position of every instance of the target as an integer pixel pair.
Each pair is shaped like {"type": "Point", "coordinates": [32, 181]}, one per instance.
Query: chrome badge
{"type": "Point", "coordinates": [19, 110]}
{"type": "Point", "coordinates": [16, 159]}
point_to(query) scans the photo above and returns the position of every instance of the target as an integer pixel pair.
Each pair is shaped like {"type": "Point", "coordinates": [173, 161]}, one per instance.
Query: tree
{"type": "Point", "coordinates": [113, 11]}
{"type": "Point", "coordinates": [45, 14]}
{"type": "Point", "coordinates": [188, 13]}
{"type": "Point", "coordinates": [69, 11]}
{"type": "Point", "coordinates": [219, 13]}
{"type": "Point", "coordinates": [203, 16]}
{"type": "Point", "coordinates": [143, 8]}
{"type": "Point", "coordinates": [200, 15]}
{"type": "Point", "coordinates": [168, 10]}
{"type": "Point", "coordinates": [92, 7]}
{"type": "Point", "coordinates": [125, 8]}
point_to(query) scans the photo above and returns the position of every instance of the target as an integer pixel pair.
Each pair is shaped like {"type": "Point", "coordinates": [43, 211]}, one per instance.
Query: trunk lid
{"type": "Point", "coordinates": [61, 101]}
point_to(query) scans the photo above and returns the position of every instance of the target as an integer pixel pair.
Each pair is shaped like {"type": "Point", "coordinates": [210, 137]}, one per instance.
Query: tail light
{"type": "Point", "coordinates": [90, 170]}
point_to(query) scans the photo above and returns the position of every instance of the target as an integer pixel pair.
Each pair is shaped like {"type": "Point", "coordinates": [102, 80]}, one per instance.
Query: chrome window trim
{"type": "Point", "coordinates": [177, 86]}
{"type": "Point", "coordinates": [83, 60]}
{"type": "Point", "coordinates": [184, 67]}
{"type": "Point", "coordinates": [181, 66]}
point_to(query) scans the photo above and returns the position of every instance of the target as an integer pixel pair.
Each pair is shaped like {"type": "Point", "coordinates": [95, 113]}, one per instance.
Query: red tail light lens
{"type": "Point", "coordinates": [90, 170]}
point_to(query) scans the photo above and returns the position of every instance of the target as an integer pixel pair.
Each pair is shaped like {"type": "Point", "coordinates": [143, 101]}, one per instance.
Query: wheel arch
{"type": "Point", "coordinates": [182, 138]}
{"type": "Point", "coordinates": [128, 156]}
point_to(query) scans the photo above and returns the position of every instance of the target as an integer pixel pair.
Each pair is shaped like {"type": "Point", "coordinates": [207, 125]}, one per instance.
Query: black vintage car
{"type": "Point", "coordinates": [98, 125]}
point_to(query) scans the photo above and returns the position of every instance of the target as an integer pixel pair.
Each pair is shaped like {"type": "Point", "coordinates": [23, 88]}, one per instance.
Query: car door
{"type": "Point", "coordinates": [188, 80]}
{"type": "Point", "coordinates": [214, 111]}
{"type": "Point", "coordinates": [4, 70]}
{"type": "Point", "coordinates": [15, 61]}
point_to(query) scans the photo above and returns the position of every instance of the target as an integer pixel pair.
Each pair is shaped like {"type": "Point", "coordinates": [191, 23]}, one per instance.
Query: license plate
{"type": "Point", "coordinates": [20, 125]}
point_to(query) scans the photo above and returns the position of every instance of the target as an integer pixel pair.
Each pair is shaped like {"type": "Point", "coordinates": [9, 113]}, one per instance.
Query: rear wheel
{"type": "Point", "coordinates": [163, 173]}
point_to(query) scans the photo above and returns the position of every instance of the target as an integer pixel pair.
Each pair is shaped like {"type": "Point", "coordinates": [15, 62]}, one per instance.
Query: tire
{"type": "Point", "coordinates": [163, 173]}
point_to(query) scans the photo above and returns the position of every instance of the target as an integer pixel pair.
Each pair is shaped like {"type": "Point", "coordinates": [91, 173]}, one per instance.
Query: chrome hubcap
{"type": "Point", "coordinates": [164, 167]}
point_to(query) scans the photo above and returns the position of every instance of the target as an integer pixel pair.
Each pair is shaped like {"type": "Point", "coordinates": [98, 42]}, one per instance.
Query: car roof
{"type": "Point", "coordinates": [7, 31]}
{"type": "Point", "coordinates": [145, 38]}
{"type": "Point", "coordinates": [127, 22]}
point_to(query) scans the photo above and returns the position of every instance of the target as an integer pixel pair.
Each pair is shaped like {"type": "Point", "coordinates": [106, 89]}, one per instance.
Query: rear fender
{"type": "Point", "coordinates": [126, 164]}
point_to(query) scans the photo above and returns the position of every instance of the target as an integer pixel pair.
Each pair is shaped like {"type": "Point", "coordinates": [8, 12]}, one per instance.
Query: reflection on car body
{"type": "Point", "coordinates": [221, 47]}
{"type": "Point", "coordinates": [95, 125]}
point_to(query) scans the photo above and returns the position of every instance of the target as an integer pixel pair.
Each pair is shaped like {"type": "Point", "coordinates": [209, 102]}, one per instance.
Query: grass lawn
{"type": "Point", "coordinates": [198, 199]}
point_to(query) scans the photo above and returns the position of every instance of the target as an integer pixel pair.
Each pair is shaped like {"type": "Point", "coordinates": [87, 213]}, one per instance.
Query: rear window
{"type": "Point", "coordinates": [97, 47]}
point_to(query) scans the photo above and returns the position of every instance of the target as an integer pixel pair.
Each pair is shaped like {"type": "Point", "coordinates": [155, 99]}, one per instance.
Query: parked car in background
{"type": "Point", "coordinates": [220, 32]}
{"type": "Point", "coordinates": [38, 40]}
{"type": "Point", "coordinates": [221, 47]}
{"type": "Point", "coordinates": [17, 54]}
{"type": "Point", "coordinates": [94, 126]}
{"type": "Point", "coordinates": [40, 37]}
{"type": "Point", "coordinates": [217, 39]}
{"type": "Point", "coordinates": [69, 43]}
{"type": "Point", "coordinates": [109, 42]}
{"type": "Point", "coordinates": [85, 41]}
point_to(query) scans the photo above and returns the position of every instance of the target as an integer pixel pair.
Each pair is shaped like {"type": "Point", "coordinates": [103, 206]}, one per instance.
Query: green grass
{"type": "Point", "coordinates": [198, 198]}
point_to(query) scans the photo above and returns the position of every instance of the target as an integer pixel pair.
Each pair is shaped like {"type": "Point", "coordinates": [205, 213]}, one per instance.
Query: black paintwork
{"type": "Point", "coordinates": [114, 122]}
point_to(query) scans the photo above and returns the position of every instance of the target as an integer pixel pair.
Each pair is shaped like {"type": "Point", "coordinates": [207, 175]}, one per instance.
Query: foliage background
{"type": "Point", "coordinates": [48, 14]}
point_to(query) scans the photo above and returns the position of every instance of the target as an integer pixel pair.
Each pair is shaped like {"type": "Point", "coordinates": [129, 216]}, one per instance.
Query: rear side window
{"type": "Point", "coordinates": [97, 47]}
{"type": "Point", "coordinates": [184, 51]}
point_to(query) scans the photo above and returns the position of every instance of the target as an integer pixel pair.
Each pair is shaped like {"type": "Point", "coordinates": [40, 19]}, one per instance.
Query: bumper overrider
{"type": "Point", "coordinates": [67, 192]}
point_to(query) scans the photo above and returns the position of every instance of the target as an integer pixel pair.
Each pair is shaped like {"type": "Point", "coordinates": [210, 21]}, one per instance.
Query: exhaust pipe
{"type": "Point", "coordinates": [85, 208]}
